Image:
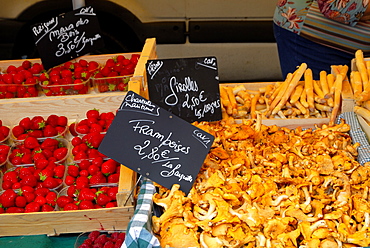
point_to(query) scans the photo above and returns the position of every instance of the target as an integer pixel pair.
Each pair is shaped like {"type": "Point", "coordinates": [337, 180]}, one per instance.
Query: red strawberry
{"type": "Point", "coordinates": [17, 131]}
{"type": "Point", "coordinates": [98, 178]}
{"type": "Point", "coordinates": [70, 206]}
{"type": "Point", "coordinates": [63, 200]}
{"type": "Point", "coordinates": [93, 113]}
{"type": "Point", "coordinates": [30, 180]}
{"type": "Point", "coordinates": [32, 207]}
{"type": "Point", "coordinates": [82, 182]}
{"type": "Point", "coordinates": [102, 199]}
{"type": "Point", "coordinates": [8, 198]}
{"type": "Point", "coordinates": [31, 143]}
{"type": "Point", "coordinates": [86, 194]}
{"type": "Point", "coordinates": [38, 122]}
{"type": "Point", "coordinates": [41, 200]}
{"type": "Point", "coordinates": [60, 153]}
{"type": "Point", "coordinates": [42, 192]}
{"type": "Point", "coordinates": [86, 205]}
{"type": "Point", "coordinates": [72, 191]}
{"type": "Point", "coordinates": [73, 170]}
{"type": "Point", "coordinates": [47, 208]}
{"type": "Point", "coordinates": [109, 167]}
{"type": "Point", "coordinates": [30, 196]}
{"type": "Point", "coordinates": [69, 180]}
{"type": "Point", "coordinates": [51, 198]}
{"type": "Point", "coordinates": [25, 123]}
{"type": "Point", "coordinates": [49, 131]}
{"type": "Point", "coordinates": [62, 121]}
{"type": "Point", "coordinates": [59, 171]}
{"type": "Point", "coordinates": [50, 183]}
{"type": "Point", "coordinates": [15, 210]}
{"type": "Point", "coordinates": [112, 193]}
{"type": "Point", "coordinates": [113, 178]}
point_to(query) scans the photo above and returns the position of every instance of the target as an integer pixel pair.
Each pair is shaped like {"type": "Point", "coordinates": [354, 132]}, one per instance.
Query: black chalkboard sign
{"type": "Point", "coordinates": [156, 143]}
{"type": "Point", "coordinates": [187, 87]}
{"type": "Point", "coordinates": [67, 36]}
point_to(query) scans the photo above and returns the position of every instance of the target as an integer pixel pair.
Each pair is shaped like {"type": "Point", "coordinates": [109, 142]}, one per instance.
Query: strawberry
{"type": "Point", "coordinates": [113, 178]}
{"type": "Point", "coordinates": [47, 208]}
{"type": "Point", "coordinates": [85, 204]}
{"type": "Point", "coordinates": [73, 170]}
{"type": "Point", "coordinates": [26, 64]}
{"type": "Point", "coordinates": [51, 198]}
{"type": "Point", "coordinates": [15, 210]}
{"type": "Point", "coordinates": [72, 191]}
{"type": "Point", "coordinates": [38, 122]}
{"type": "Point", "coordinates": [42, 192]}
{"type": "Point", "coordinates": [50, 183]}
{"type": "Point", "coordinates": [8, 198]}
{"type": "Point", "coordinates": [11, 176]}
{"type": "Point", "coordinates": [63, 200]}
{"type": "Point", "coordinates": [31, 142]}
{"type": "Point", "coordinates": [41, 200]}
{"type": "Point", "coordinates": [25, 123]}
{"type": "Point", "coordinates": [32, 207]}
{"type": "Point", "coordinates": [69, 180]}
{"type": "Point", "coordinates": [29, 180]}
{"type": "Point", "coordinates": [82, 182]}
{"type": "Point", "coordinates": [49, 131]}
{"type": "Point", "coordinates": [98, 178]}
{"type": "Point", "coordinates": [60, 153]}
{"type": "Point", "coordinates": [70, 206]}
{"type": "Point", "coordinates": [102, 199]}
{"type": "Point", "coordinates": [109, 167]}
{"type": "Point", "coordinates": [59, 171]}
{"type": "Point", "coordinates": [93, 113]}
{"type": "Point", "coordinates": [112, 193]}
{"type": "Point", "coordinates": [86, 194]}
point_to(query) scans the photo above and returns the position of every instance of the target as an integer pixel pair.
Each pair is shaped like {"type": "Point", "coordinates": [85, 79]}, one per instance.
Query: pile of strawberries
{"type": "Point", "coordinates": [31, 150]}
{"type": "Point", "coordinates": [4, 132]}
{"type": "Point", "coordinates": [31, 188]}
{"type": "Point", "coordinates": [20, 81]}
{"type": "Point", "coordinates": [87, 198]}
{"type": "Point", "coordinates": [92, 172]}
{"type": "Point", "coordinates": [4, 152]}
{"type": "Point", "coordinates": [70, 78]}
{"type": "Point", "coordinates": [89, 133]}
{"type": "Point", "coordinates": [97, 239]}
{"type": "Point", "coordinates": [114, 75]}
{"type": "Point", "coordinates": [27, 200]}
{"type": "Point", "coordinates": [43, 174]}
{"type": "Point", "coordinates": [40, 127]}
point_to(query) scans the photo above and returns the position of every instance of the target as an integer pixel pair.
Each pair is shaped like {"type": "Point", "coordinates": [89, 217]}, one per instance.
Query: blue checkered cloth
{"type": "Point", "coordinates": [357, 135]}
{"type": "Point", "coordinates": [139, 231]}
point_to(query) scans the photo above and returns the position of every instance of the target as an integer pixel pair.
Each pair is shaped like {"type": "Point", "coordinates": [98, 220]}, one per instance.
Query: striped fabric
{"type": "Point", "coordinates": [331, 33]}
{"type": "Point", "coordinates": [337, 25]}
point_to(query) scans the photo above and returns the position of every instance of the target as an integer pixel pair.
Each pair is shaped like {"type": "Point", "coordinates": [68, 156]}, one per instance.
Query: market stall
{"type": "Point", "coordinates": [286, 168]}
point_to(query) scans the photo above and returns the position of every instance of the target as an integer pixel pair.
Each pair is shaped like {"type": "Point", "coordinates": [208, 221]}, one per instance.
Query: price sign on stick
{"type": "Point", "coordinates": [187, 87]}
{"type": "Point", "coordinates": [155, 143]}
{"type": "Point", "coordinates": [67, 36]}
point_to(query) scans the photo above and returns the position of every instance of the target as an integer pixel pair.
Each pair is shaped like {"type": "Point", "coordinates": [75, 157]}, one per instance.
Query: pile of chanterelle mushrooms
{"type": "Point", "coordinates": [268, 186]}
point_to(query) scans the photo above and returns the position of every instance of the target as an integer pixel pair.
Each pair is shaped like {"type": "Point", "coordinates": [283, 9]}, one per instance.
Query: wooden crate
{"type": "Point", "coordinates": [77, 221]}
{"type": "Point", "coordinates": [71, 105]}
{"type": "Point", "coordinates": [59, 222]}
{"type": "Point", "coordinates": [289, 122]}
